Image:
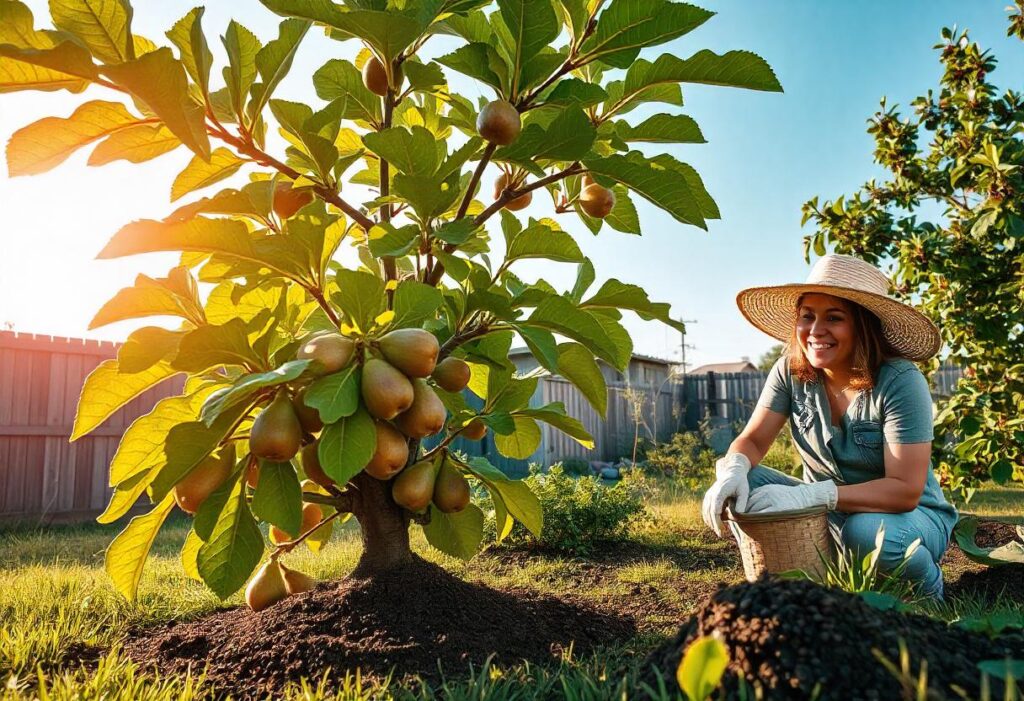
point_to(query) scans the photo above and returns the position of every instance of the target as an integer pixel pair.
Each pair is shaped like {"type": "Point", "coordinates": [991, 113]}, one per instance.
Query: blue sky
{"type": "Point", "coordinates": [767, 154]}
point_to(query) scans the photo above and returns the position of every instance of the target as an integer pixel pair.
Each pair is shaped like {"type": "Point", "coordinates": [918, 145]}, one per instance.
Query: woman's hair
{"type": "Point", "coordinates": [869, 352]}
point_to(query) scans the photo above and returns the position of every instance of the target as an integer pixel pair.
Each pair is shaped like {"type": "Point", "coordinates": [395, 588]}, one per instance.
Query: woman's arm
{"type": "Point", "coordinates": [906, 471]}
{"type": "Point", "coordinates": [759, 433]}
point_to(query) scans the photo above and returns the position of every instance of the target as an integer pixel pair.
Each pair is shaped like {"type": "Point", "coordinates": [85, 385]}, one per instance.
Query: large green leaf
{"type": "Point", "coordinates": [554, 414]}
{"type": "Point", "coordinates": [213, 345]}
{"type": "Point", "coordinates": [735, 69]}
{"type": "Point", "coordinates": [171, 296]}
{"type": "Point", "coordinates": [187, 35]}
{"type": "Point", "coordinates": [559, 315]}
{"type": "Point", "coordinates": [275, 60]}
{"type": "Point", "coordinates": [64, 66]}
{"type": "Point", "coordinates": [159, 81]}
{"type": "Point", "coordinates": [662, 128]}
{"type": "Point", "coordinates": [707, 205]}
{"type": "Point", "coordinates": [574, 91]}
{"type": "Point", "coordinates": [278, 497]}
{"type": "Point", "coordinates": [515, 494]}
{"type": "Point", "coordinates": [340, 82]}
{"type": "Point", "coordinates": [135, 144]}
{"type": "Point", "coordinates": [203, 172]}
{"type": "Point", "coordinates": [335, 396]}
{"type": "Point", "coordinates": [567, 138]}
{"type": "Point", "coordinates": [415, 303]}
{"type": "Point", "coordinates": [543, 239]}
{"type": "Point", "coordinates": [147, 346]}
{"type": "Point", "coordinates": [623, 216]}
{"type": "Point", "coordinates": [1008, 553]}
{"type": "Point", "coordinates": [701, 669]}
{"type": "Point", "coordinates": [106, 390]}
{"type": "Point", "coordinates": [533, 26]}
{"type": "Point", "coordinates": [458, 534]}
{"type": "Point", "coordinates": [656, 183]}
{"type": "Point", "coordinates": [126, 555]}
{"type": "Point", "coordinates": [200, 235]}
{"type": "Point", "coordinates": [626, 26]}
{"type": "Point", "coordinates": [360, 296]}
{"type": "Point", "coordinates": [103, 26]}
{"type": "Point", "coordinates": [346, 446]}
{"type": "Point", "coordinates": [619, 295]}
{"type": "Point", "coordinates": [523, 442]}
{"type": "Point", "coordinates": [474, 59]}
{"type": "Point", "coordinates": [233, 550]}
{"type": "Point", "coordinates": [577, 364]}
{"type": "Point", "coordinates": [240, 73]}
{"type": "Point", "coordinates": [414, 151]}
{"type": "Point", "coordinates": [247, 385]}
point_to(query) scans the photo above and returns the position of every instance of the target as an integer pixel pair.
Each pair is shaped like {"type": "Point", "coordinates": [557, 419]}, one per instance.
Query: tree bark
{"type": "Point", "coordinates": [384, 525]}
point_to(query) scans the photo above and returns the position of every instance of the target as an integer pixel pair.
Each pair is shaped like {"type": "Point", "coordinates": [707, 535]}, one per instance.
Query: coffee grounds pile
{"type": "Point", "coordinates": [411, 620]}
{"type": "Point", "coordinates": [793, 635]}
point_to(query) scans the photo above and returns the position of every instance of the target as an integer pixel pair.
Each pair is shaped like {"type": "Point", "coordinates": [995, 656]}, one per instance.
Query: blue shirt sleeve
{"type": "Point", "coordinates": [777, 394]}
{"type": "Point", "coordinates": [907, 408]}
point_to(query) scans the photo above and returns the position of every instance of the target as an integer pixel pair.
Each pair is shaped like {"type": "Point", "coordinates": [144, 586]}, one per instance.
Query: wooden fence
{"type": "Point", "coordinates": [42, 476]}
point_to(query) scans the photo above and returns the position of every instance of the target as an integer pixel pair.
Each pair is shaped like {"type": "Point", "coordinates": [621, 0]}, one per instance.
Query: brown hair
{"type": "Point", "coordinates": [870, 350]}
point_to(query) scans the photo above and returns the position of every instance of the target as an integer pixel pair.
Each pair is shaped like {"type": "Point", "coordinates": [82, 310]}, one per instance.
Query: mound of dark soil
{"type": "Point", "coordinates": [412, 621]}
{"type": "Point", "coordinates": [792, 636]}
{"type": "Point", "coordinates": [965, 577]}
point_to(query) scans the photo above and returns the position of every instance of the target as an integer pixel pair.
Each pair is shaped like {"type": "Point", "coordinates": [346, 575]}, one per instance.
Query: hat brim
{"type": "Point", "coordinates": [907, 330]}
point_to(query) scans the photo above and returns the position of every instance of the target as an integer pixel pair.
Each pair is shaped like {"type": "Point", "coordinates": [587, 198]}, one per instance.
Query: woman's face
{"type": "Point", "coordinates": [824, 330]}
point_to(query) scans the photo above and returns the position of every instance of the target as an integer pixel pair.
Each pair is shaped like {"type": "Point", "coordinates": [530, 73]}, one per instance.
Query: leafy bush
{"type": "Point", "coordinates": [685, 457]}
{"type": "Point", "coordinates": [576, 466]}
{"type": "Point", "coordinates": [579, 512]}
{"type": "Point", "coordinates": [783, 456]}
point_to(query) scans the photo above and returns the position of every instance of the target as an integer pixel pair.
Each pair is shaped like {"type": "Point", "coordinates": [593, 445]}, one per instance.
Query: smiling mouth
{"type": "Point", "coordinates": [820, 346]}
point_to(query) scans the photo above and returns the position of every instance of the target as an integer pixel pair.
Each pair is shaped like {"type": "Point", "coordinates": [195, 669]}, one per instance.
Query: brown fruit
{"type": "Point", "coordinates": [297, 582]}
{"type": "Point", "coordinates": [276, 433]}
{"type": "Point", "coordinates": [267, 587]}
{"type": "Point", "coordinates": [391, 455]}
{"type": "Point", "coordinates": [499, 122]}
{"type": "Point", "coordinates": [309, 418]}
{"type": "Point", "coordinates": [426, 415]}
{"type": "Point", "coordinates": [288, 200]}
{"type": "Point", "coordinates": [386, 391]}
{"type": "Point", "coordinates": [451, 374]}
{"type": "Point", "coordinates": [311, 515]}
{"type": "Point", "coordinates": [474, 430]}
{"type": "Point", "coordinates": [329, 352]}
{"type": "Point", "coordinates": [198, 484]}
{"type": "Point", "coordinates": [586, 180]}
{"type": "Point", "coordinates": [451, 490]}
{"type": "Point", "coordinates": [414, 487]}
{"type": "Point", "coordinates": [413, 351]}
{"type": "Point", "coordinates": [311, 466]}
{"type": "Point", "coordinates": [518, 203]}
{"type": "Point", "coordinates": [375, 78]}
{"type": "Point", "coordinates": [597, 201]}
{"type": "Point", "coordinates": [252, 474]}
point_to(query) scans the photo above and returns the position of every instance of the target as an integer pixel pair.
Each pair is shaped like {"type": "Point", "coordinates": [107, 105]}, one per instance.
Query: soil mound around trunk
{"type": "Point", "coordinates": [412, 620]}
{"type": "Point", "coordinates": [793, 636]}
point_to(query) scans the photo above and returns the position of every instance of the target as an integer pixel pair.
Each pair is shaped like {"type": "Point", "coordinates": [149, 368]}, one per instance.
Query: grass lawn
{"type": "Point", "coordinates": [57, 606]}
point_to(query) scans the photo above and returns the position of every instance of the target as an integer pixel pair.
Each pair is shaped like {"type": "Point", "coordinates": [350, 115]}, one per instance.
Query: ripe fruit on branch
{"type": "Point", "coordinates": [391, 455]}
{"type": "Point", "coordinates": [597, 201]}
{"type": "Point", "coordinates": [413, 351]}
{"type": "Point", "coordinates": [309, 418]}
{"type": "Point", "coordinates": [499, 122]}
{"type": "Point", "coordinates": [329, 352]}
{"type": "Point", "coordinates": [474, 430]}
{"type": "Point", "coordinates": [288, 200]}
{"type": "Point", "coordinates": [276, 433]}
{"type": "Point", "coordinates": [312, 467]}
{"type": "Point", "coordinates": [267, 587]}
{"type": "Point", "coordinates": [451, 490]}
{"type": "Point", "coordinates": [425, 416]}
{"type": "Point", "coordinates": [451, 374]}
{"type": "Point", "coordinates": [585, 180]}
{"type": "Point", "coordinates": [386, 391]}
{"type": "Point", "coordinates": [375, 78]}
{"type": "Point", "coordinates": [512, 205]}
{"type": "Point", "coordinates": [414, 488]}
{"type": "Point", "coordinates": [198, 484]}
{"type": "Point", "coordinates": [311, 516]}
{"type": "Point", "coordinates": [297, 582]}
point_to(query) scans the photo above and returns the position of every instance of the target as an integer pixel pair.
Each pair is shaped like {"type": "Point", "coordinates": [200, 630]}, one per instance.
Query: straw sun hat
{"type": "Point", "coordinates": [908, 331]}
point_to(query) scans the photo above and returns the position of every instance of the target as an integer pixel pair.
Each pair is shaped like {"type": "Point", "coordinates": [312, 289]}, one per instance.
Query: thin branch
{"type": "Point", "coordinates": [283, 548]}
{"type": "Point", "coordinates": [318, 295]}
{"type": "Point", "coordinates": [509, 195]}
{"type": "Point", "coordinates": [484, 159]}
{"type": "Point", "coordinates": [458, 339]}
{"type": "Point", "coordinates": [342, 501]}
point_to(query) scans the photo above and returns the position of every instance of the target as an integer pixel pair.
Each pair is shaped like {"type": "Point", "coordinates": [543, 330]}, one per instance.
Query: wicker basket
{"type": "Point", "coordinates": [778, 542]}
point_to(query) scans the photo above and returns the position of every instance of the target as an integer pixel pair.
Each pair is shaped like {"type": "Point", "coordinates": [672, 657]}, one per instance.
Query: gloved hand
{"type": "Point", "coordinates": [730, 482]}
{"type": "Point", "coordinates": [773, 498]}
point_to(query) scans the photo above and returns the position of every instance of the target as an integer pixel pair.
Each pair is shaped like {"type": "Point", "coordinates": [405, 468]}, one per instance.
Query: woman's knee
{"type": "Point", "coordinates": [860, 534]}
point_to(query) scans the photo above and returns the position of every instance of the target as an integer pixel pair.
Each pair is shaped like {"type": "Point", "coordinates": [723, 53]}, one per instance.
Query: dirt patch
{"type": "Point", "coordinates": [967, 578]}
{"type": "Point", "coordinates": [412, 621]}
{"type": "Point", "coordinates": [794, 635]}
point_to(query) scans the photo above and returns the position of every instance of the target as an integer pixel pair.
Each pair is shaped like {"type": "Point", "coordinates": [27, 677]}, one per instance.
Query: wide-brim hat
{"type": "Point", "coordinates": [773, 309]}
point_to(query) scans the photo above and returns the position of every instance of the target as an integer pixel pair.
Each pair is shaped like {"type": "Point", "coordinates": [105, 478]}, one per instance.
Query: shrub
{"type": "Point", "coordinates": [783, 456]}
{"type": "Point", "coordinates": [686, 457]}
{"type": "Point", "coordinates": [576, 466]}
{"type": "Point", "coordinates": [579, 512]}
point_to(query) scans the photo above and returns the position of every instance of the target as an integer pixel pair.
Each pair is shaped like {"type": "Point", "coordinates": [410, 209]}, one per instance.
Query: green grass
{"type": "Point", "coordinates": [55, 598]}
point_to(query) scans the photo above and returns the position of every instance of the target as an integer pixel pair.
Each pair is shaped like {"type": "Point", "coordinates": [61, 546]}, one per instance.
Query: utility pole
{"type": "Point", "coordinates": [683, 345]}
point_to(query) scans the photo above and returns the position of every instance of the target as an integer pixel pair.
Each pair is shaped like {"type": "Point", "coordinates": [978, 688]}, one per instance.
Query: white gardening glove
{"type": "Point", "coordinates": [730, 482]}
{"type": "Point", "coordinates": [773, 498]}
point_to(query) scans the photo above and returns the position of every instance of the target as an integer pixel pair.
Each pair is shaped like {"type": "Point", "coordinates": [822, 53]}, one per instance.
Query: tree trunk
{"type": "Point", "coordinates": [384, 525]}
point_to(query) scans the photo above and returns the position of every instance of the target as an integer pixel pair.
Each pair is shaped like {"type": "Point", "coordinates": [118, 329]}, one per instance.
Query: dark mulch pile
{"type": "Point", "coordinates": [792, 635]}
{"type": "Point", "coordinates": [965, 577]}
{"type": "Point", "coordinates": [411, 620]}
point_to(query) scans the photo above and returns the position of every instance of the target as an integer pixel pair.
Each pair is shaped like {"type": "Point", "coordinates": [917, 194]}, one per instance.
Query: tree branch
{"type": "Point", "coordinates": [484, 159]}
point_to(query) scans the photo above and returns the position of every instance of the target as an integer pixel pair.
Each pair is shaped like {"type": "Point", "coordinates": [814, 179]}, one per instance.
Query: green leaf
{"type": "Point", "coordinates": [148, 297]}
{"type": "Point", "coordinates": [964, 533]}
{"type": "Point", "coordinates": [387, 240]}
{"type": "Point", "coordinates": [428, 197]}
{"type": "Point", "coordinates": [708, 208]}
{"type": "Point", "coordinates": [64, 66]}
{"type": "Point", "coordinates": [213, 345]}
{"type": "Point", "coordinates": [278, 497]}
{"type": "Point", "coordinates": [544, 239]}
{"type": "Point", "coordinates": [522, 443]}
{"type": "Point", "coordinates": [554, 414]}
{"type": "Point", "coordinates": [104, 26]}
{"type": "Point", "coordinates": [242, 47]}
{"type": "Point", "coordinates": [559, 315]}
{"type": "Point", "coordinates": [623, 216]}
{"type": "Point", "coordinates": [542, 345]}
{"type": "Point", "coordinates": [663, 129]}
{"type": "Point", "coordinates": [233, 550]}
{"type": "Point", "coordinates": [533, 26]}
{"type": "Point", "coordinates": [200, 172]}
{"type": "Point", "coordinates": [200, 235]}
{"type": "Point", "coordinates": [159, 81]}
{"type": "Point", "coordinates": [126, 555]}
{"type": "Point", "coordinates": [735, 69]}
{"type": "Point", "coordinates": [360, 296]}
{"type": "Point", "coordinates": [522, 503]}
{"type": "Point", "coordinates": [147, 346]}
{"type": "Point", "coordinates": [626, 26]}
{"type": "Point", "coordinates": [573, 91]}
{"type": "Point", "coordinates": [1001, 471]}
{"type": "Point", "coordinates": [413, 152]}
{"type": "Point", "coordinates": [577, 364]}
{"type": "Point", "coordinates": [275, 60]}
{"type": "Point", "coordinates": [424, 76]}
{"type": "Point", "coordinates": [106, 390]}
{"type": "Point", "coordinates": [247, 385]}
{"type": "Point", "coordinates": [48, 142]}
{"type": "Point", "coordinates": [210, 510]}
{"type": "Point", "coordinates": [415, 303]}
{"type": "Point", "coordinates": [335, 396]}
{"type": "Point", "coordinates": [474, 60]}
{"type": "Point", "coordinates": [458, 534]}
{"type": "Point", "coordinates": [655, 183]}
{"type": "Point", "coordinates": [701, 669]}
{"type": "Point", "coordinates": [619, 295]}
{"type": "Point", "coordinates": [567, 138]}
{"type": "Point", "coordinates": [189, 553]}
{"type": "Point", "coordinates": [340, 82]}
{"type": "Point", "coordinates": [346, 446]}
{"type": "Point", "coordinates": [187, 35]}
{"type": "Point", "coordinates": [135, 144]}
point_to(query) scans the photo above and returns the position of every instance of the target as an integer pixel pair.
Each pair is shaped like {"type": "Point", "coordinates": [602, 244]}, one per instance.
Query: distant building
{"type": "Point", "coordinates": [743, 365]}
{"type": "Point", "coordinates": [643, 369]}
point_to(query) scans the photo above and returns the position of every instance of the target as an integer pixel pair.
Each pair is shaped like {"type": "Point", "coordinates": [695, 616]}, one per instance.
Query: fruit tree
{"type": "Point", "coordinates": [319, 389]}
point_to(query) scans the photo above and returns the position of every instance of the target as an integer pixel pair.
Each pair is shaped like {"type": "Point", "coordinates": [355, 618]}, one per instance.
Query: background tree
{"type": "Point", "coordinates": [351, 376]}
{"type": "Point", "coordinates": [964, 268]}
{"type": "Point", "coordinates": [768, 358]}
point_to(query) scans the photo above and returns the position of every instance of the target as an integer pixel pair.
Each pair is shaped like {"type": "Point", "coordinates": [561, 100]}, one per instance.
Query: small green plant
{"type": "Point", "coordinates": [576, 466]}
{"type": "Point", "coordinates": [701, 669]}
{"type": "Point", "coordinates": [579, 512]}
{"type": "Point", "coordinates": [685, 457]}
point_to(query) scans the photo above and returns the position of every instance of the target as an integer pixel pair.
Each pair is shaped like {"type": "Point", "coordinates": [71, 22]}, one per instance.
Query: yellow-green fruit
{"type": "Point", "coordinates": [312, 467]}
{"type": "Point", "coordinates": [386, 391]}
{"type": "Point", "coordinates": [297, 582]}
{"type": "Point", "coordinates": [451, 490]}
{"type": "Point", "coordinates": [276, 433]}
{"type": "Point", "coordinates": [329, 352]}
{"type": "Point", "coordinates": [309, 418]}
{"type": "Point", "coordinates": [414, 488]}
{"type": "Point", "coordinates": [413, 351]}
{"type": "Point", "coordinates": [391, 455]}
{"type": "Point", "coordinates": [311, 515]}
{"type": "Point", "coordinates": [198, 484]}
{"type": "Point", "coordinates": [451, 374]}
{"type": "Point", "coordinates": [474, 430]}
{"type": "Point", "coordinates": [375, 78]}
{"type": "Point", "coordinates": [426, 415]}
{"type": "Point", "coordinates": [267, 587]}
{"type": "Point", "coordinates": [518, 203]}
{"type": "Point", "coordinates": [499, 122]}
{"type": "Point", "coordinates": [288, 200]}
{"type": "Point", "coordinates": [597, 201]}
